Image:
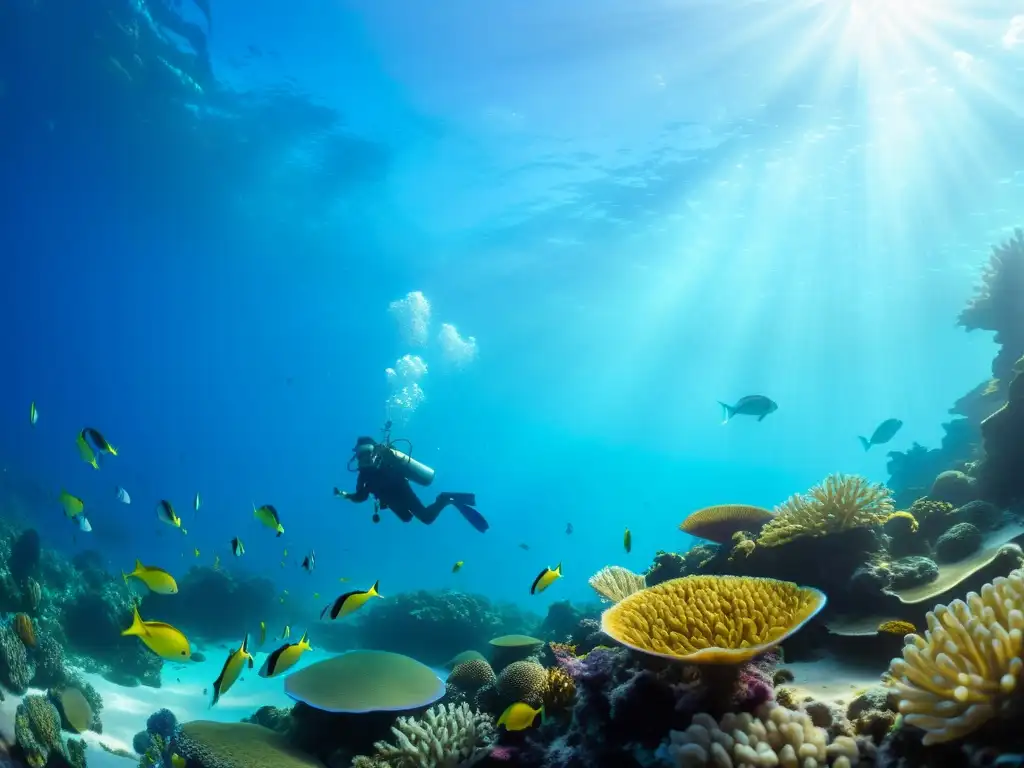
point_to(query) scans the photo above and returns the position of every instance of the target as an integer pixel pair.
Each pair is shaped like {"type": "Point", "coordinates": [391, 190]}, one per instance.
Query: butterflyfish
{"type": "Point", "coordinates": [263, 632]}
{"type": "Point", "coordinates": [457, 567]}
{"type": "Point", "coordinates": [350, 602]}
{"type": "Point", "coordinates": [33, 414]}
{"type": "Point", "coordinates": [627, 541]}
{"type": "Point", "coordinates": [99, 441]}
{"type": "Point", "coordinates": [284, 658]}
{"type": "Point", "coordinates": [545, 579]}
{"type": "Point", "coordinates": [165, 513]}
{"type": "Point", "coordinates": [122, 496]}
{"type": "Point", "coordinates": [233, 666]}
{"type": "Point", "coordinates": [72, 504]}
{"type": "Point", "coordinates": [156, 579]}
{"type": "Point", "coordinates": [237, 548]}
{"type": "Point", "coordinates": [309, 562]}
{"type": "Point", "coordinates": [519, 716]}
{"type": "Point", "coordinates": [165, 641]}
{"type": "Point", "coordinates": [267, 514]}
{"type": "Point", "coordinates": [85, 451]}
{"type": "Point", "coordinates": [195, 503]}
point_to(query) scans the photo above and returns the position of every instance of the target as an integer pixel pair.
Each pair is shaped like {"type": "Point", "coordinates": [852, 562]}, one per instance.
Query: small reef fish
{"type": "Point", "coordinates": [165, 513]}
{"type": "Point", "coordinates": [545, 579]}
{"type": "Point", "coordinates": [85, 451]}
{"type": "Point", "coordinates": [457, 567]}
{"type": "Point", "coordinates": [177, 761]}
{"type": "Point", "coordinates": [33, 414]}
{"type": "Point", "coordinates": [165, 641]}
{"type": "Point", "coordinates": [267, 514]}
{"type": "Point", "coordinates": [122, 496]}
{"type": "Point", "coordinates": [233, 667]}
{"type": "Point", "coordinates": [286, 632]}
{"type": "Point", "coordinates": [350, 602]}
{"type": "Point", "coordinates": [195, 503]}
{"type": "Point", "coordinates": [524, 546]}
{"type": "Point", "coordinates": [751, 405]}
{"type": "Point", "coordinates": [344, 578]}
{"type": "Point", "coordinates": [237, 548]}
{"type": "Point", "coordinates": [519, 716]}
{"type": "Point", "coordinates": [568, 529]}
{"type": "Point", "coordinates": [309, 562]}
{"type": "Point", "coordinates": [263, 632]}
{"type": "Point", "coordinates": [883, 433]}
{"type": "Point", "coordinates": [156, 579]}
{"type": "Point", "coordinates": [99, 441]}
{"type": "Point", "coordinates": [316, 595]}
{"type": "Point", "coordinates": [197, 551]}
{"type": "Point", "coordinates": [627, 541]}
{"type": "Point", "coordinates": [72, 504]}
{"type": "Point", "coordinates": [284, 658]}
{"type": "Point", "coordinates": [83, 524]}
{"type": "Point", "coordinates": [285, 553]}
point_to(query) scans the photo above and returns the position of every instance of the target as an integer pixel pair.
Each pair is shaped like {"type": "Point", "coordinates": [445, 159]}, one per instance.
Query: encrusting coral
{"type": "Point", "coordinates": [897, 627]}
{"type": "Point", "coordinates": [955, 678]}
{"type": "Point", "coordinates": [445, 737]}
{"type": "Point", "coordinates": [772, 736]}
{"type": "Point", "coordinates": [712, 619]}
{"type": "Point", "coordinates": [613, 583]}
{"type": "Point", "coordinates": [840, 503]}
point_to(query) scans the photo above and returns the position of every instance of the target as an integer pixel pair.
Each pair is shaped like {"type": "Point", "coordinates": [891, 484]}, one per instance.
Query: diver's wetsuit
{"type": "Point", "coordinates": [394, 492]}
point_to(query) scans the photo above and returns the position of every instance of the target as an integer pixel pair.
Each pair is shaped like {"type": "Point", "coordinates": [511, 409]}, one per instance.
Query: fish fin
{"type": "Point", "coordinates": [183, 531]}
{"type": "Point", "coordinates": [865, 442]}
{"type": "Point", "coordinates": [304, 640]}
{"type": "Point", "coordinates": [727, 412]}
{"type": "Point", "coordinates": [543, 715]}
{"type": "Point", "coordinates": [337, 491]}
{"type": "Point", "coordinates": [137, 628]}
{"type": "Point", "coordinates": [761, 417]}
{"type": "Point", "coordinates": [374, 589]}
{"type": "Point", "coordinates": [138, 565]}
{"type": "Point", "coordinates": [245, 643]}
{"type": "Point", "coordinates": [250, 662]}
{"type": "Point", "coordinates": [326, 608]}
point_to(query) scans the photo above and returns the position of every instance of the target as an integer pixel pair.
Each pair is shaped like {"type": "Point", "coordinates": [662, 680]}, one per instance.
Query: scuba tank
{"type": "Point", "coordinates": [412, 470]}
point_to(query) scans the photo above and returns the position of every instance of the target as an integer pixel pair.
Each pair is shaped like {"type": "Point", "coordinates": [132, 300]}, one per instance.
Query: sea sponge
{"type": "Point", "coordinates": [613, 583]}
{"type": "Point", "coordinates": [523, 681]}
{"type": "Point", "coordinates": [238, 745]}
{"type": "Point", "coordinates": [897, 627]}
{"type": "Point", "coordinates": [720, 523]}
{"type": "Point", "coordinates": [559, 690]}
{"type": "Point", "coordinates": [955, 678]}
{"type": "Point", "coordinates": [712, 619]}
{"type": "Point", "coordinates": [472, 675]}
{"type": "Point", "coordinates": [447, 735]}
{"type": "Point", "coordinates": [37, 730]}
{"type": "Point", "coordinates": [840, 503]}
{"type": "Point", "coordinates": [772, 736]}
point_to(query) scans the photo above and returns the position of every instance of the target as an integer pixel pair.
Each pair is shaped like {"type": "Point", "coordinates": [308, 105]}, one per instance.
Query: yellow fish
{"type": "Point", "coordinates": [165, 641]}
{"type": "Point", "coordinates": [457, 567]}
{"type": "Point", "coordinates": [267, 514]}
{"type": "Point", "coordinates": [99, 441]}
{"type": "Point", "coordinates": [285, 553]}
{"type": "Point", "coordinates": [197, 551]}
{"type": "Point", "coordinates": [627, 541]}
{"type": "Point", "coordinates": [85, 451]}
{"type": "Point", "coordinates": [284, 658]}
{"type": "Point", "coordinates": [263, 632]}
{"type": "Point", "coordinates": [177, 761]}
{"type": "Point", "coordinates": [344, 579]}
{"type": "Point", "coordinates": [73, 505]}
{"type": "Point", "coordinates": [165, 513]}
{"type": "Point", "coordinates": [156, 579]}
{"type": "Point", "coordinates": [316, 595]}
{"type": "Point", "coordinates": [519, 716]}
{"type": "Point", "coordinates": [545, 579]}
{"type": "Point", "coordinates": [351, 602]}
{"type": "Point", "coordinates": [233, 667]}
{"type": "Point", "coordinates": [33, 414]}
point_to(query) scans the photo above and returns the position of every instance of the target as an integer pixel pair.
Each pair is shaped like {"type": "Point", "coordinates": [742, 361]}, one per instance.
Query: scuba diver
{"type": "Point", "coordinates": [385, 472]}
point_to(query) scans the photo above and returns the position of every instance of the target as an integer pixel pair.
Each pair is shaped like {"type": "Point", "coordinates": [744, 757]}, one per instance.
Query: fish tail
{"type": "Point", "coordinates": [125, 577]}
{"type": "Point", "coordinates": [865, 442]}
{"type": "Point", "coordinates": [727, 412]}
{"type": "Point", "coordinates": [183, 530]}
{"type": "Point", "coordinates": [374, 589]}
{"type": "Point", "coordinates": [543, 715]}
{"type": "Point", "coordinates": [137, 628]}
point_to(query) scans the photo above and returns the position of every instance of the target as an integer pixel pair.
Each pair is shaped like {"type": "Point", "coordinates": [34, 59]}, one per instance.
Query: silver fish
{"type": "Point", "coordinates": [83, 524]}
{"type": "Point", "coordinates": [122, 496]}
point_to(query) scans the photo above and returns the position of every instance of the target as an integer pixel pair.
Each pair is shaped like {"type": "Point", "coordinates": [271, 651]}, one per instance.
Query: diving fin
{"type": "Point", "coordinates": [473, 517]}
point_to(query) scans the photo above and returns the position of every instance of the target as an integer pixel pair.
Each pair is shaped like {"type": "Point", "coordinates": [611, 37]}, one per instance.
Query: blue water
{"type": "Point", "coordinates": [635, 214]}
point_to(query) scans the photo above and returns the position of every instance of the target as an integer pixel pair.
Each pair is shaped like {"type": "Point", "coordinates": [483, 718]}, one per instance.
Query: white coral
{"type": "Point", "coordinates": [772, 736]}
{"type": "Point", "coordinates": [447, 736]}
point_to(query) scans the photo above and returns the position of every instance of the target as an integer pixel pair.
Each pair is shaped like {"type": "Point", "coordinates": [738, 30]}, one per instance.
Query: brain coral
{"type": "Point", "coordinates": [955, 678]}
{"type": "Point", "coordinates": [523, 681]}
{"type": "Point", "coordinates": [838, 504]}
{"type": "Point", "coordinates": [238, 745]}
{"type": "Point", "coordinates": [471, 675]}
{"type": "Point", "coordinates": [712, 619]}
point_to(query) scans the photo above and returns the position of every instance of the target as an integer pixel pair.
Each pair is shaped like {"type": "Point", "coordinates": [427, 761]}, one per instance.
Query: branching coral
{"type": "Point", "coordinates": [445, 737]}
{"type": "Point", "coordinates": [613, 583]}
{"type": "Point", "coordinates": [840, 503]}
{"type": "Point", "coordinates": [955, 678]}
{"type": "Point", "coordinates": [772, 736]}
{"type": "Point", "coordinates": [559, 690]}
{"type": "Point", "coordinates": [712, 619]}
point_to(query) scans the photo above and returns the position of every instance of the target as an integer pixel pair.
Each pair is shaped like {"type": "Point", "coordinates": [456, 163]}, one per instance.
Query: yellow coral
{"type": "Point", "coordinates": [613, 583]}
{"type": "Point", "coordinates": [954, 679]}
{"type": "Point", "coordinates": [897, 627]}
{"type": "Point", "coordinates": [901, 515]}
{"type": "Point", "coordinates": [711, 619]}
{"type": "Point", "coordinates": [838, 504]}
{"type": "Point", "coordinates": [559, 691]}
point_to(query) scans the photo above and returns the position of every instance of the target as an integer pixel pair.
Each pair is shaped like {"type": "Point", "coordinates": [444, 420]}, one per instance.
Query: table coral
{"type": "Point", "coordinates": [954, 678]}
{"type": "Point", "coordinates": [447, 735]}
{"type": "Point", "coordinates": [839, 503]}
{"type": "Point", "coordinates": [613, 583]}
{"type": "Point", "coordinates": [712, 619]}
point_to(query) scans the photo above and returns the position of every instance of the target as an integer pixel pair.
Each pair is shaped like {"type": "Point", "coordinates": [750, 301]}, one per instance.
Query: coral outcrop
{"type": "Point", "coordinates": [446, 735]}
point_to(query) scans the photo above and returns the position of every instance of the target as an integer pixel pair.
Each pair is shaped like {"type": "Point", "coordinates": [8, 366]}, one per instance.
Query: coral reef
{"type": "Point", "coordinates": [613, 583]}
{"type": "Point", "coordinates": [37, 731]}
{"type": "Point", "coordinates": [960, 541]}
{"type": "Point", "coordinates": [237, 745]}
{"type": "Point", "coordinates": [472, 675]}
{"type": "Point", "coordinates": [446, 735]}
{"type": "Point", "coordinates": [524, 681]}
